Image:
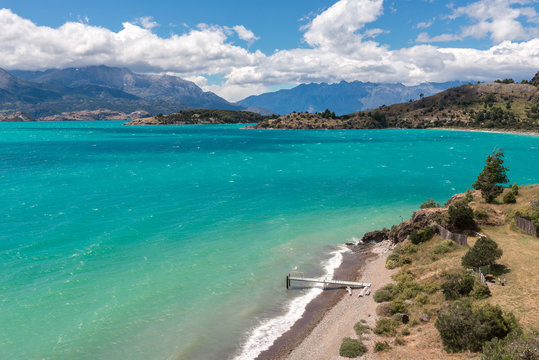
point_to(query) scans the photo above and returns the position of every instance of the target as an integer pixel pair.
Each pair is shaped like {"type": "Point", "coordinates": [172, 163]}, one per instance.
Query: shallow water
{"type": "Point", "coordinates": [173, 242]}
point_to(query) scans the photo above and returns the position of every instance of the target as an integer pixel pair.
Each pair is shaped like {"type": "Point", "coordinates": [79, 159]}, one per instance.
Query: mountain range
{"type": "Point", "coordinates": [61, 94]}
{"type": "Point", "coordinates": [342, 98]}
{"type": "Point", "coordinates": [50, 92]}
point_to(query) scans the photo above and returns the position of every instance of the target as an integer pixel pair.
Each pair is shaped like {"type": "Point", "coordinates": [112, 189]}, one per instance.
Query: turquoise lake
{"type": "Point", "coordinates": [172, 242]}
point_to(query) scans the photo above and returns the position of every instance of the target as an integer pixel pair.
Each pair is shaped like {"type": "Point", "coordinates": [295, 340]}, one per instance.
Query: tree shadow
{"type": "Point", "coordinates": [499, 269]}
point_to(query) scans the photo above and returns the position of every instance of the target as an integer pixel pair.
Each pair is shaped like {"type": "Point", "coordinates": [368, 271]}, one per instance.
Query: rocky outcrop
{"type": "Point", "coordinates": [420, 219]}
{"type": "Point", "coordinates": [102, 114]}
{"type": "Point", "coordinates": [375, 236]}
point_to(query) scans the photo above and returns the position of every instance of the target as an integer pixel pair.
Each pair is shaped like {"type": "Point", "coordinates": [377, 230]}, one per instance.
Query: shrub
{"type": "Point", "coordinates": [514, 189]}
{"type": "Point", "coordinates": [399, 341]}
{"type": "Point", "coordinates": [352, 348]}
{"type": "Point", "coordinates": [361, 329]}
{"type": "Point", "coordinates": [405, 332]}
{"type": "Point", "coordinates": [387, 293]}
{"type": "Point", "coordinates": [468, 197]}
{"type": "Point", "coordinates": [480, 214]}
{"type": "Point", "coordinates": [429, 204]}
{"type": "Point", "coordinates": [457, 285]}
{"type": "Point", "coordinates": [484, 252]}
{"type": "Point", "coordinates": [461, 216]}
{"type": "Point", "coordinates": [516, 346]}
{"type": "Point", "coordinates": [422, 299]}
{"type": "Point", "coordinates": [397, 307]}
{"type": "Point", "coordinates": [480, 291]}
{"type": "Point", "coordinates": [463, 328]}
{"type": "Point", "coordinates": [392, 264]}
{"type": "Point", "coordinates": [409, 248]}
{"type": "Point", "coordinates": [381, 346]}
{"type": "Point", "coordinates": [419, 236]}
{"type": "Point", "coordinates": [444, 247]}
{"type": "Point", "coordinates": [509, 198]}
{"type": "Point", "coordinates": [386, 327]}
{"type": "Point", "coordinates": [430, 287]}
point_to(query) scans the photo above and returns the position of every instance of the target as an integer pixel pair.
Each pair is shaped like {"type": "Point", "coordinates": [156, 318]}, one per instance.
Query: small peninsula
{"type": "Point", "coordinates": [202, 116]}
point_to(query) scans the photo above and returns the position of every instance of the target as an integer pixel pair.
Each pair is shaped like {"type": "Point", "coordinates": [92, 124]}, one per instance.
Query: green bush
{"type": "Point", "coordinates": [429, 204]}
{"type": "Point", "coordinates": [405, 332]}
{"type": "Point", "coordinates": [409, 248]}
{"type": "Point", "coordinates": [480, 291]}
{"type": "Point", "coordinates": [361, 329]}
{"type": "Point", "coordinates": [514, 189]}
{"type": "Point", "coordinates": [430, 287]}
{"type": "Point", "coordinates": [457, 285]}
{"type": "Point", "coordinates": [419, 236]}
{"type": "Point", "coordinates": [462, 327]}
{"type": "Point", "coordinates": [516, 346]}
{"type": "Point", "coordinates": [468, 197]}
{"type": "Point", "coordinates": [444, 247]}
{"type": "Point", "coordinates": [484, 252]}
{"type": "Point", "coordinates": [509, 198]}
{"type": "Point", "coordinates": [381, 346]}
{"type": "Point", "coordinates": [399, 341]}
{"type": "Point", "coordinates": [387, 293]}
{"type": "Point", "coordinates": [352, 348]}
{"type": "Point", "coordinates": [385, 326]}
{"type": "Point", "coordinates": [460, 216]}
{"type": "Point", "coordinates": [422, 299]}
{"type": "Point", "coordinates": [397, 307]}
{"type": "Point", "coordinates": [480, 214]}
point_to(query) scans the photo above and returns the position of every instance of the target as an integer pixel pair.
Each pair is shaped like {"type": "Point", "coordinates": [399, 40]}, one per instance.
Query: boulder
{"type": "Point", "coordinates": [420, 219]}
{"type": "Point", "coordinates": [403, 318]}
{"type": "Point", "coordinates": [375, 236]}
{"type": "Point", "coordinates": [425, 317]}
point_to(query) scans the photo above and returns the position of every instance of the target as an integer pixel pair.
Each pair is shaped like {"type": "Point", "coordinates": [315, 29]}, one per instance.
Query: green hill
{"type": "Point", "coordinates": [499, 105]}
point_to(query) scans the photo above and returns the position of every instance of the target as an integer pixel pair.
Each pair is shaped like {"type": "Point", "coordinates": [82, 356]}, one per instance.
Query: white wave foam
{"type": "Point", "coordinates": [268, 331]}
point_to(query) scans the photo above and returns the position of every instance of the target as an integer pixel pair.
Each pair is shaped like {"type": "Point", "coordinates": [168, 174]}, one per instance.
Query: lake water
{"type": "Point", "coordinates": [173, 242]}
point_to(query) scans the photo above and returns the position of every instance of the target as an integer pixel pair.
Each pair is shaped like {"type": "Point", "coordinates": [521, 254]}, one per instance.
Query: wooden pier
{"type": "Point", "coordinates": [325, 281]}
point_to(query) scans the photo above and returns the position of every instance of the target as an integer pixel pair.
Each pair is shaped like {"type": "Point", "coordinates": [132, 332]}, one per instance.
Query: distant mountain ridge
{"type": "Point", "coordinates": [344, 97]}
{"type": "Point", "coordinates": [55, 91]}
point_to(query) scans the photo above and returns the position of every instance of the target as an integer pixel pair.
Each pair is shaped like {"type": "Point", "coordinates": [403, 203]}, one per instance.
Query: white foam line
{"type": "Point", "coordinates": [263, 336]}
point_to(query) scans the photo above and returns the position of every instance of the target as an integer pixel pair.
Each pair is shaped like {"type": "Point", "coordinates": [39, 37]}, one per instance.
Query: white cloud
{"type": "Point", "coordinates": [425, 38]}
{"type": "Point", "coordinates": [339, 46]}
{"type": "Point", "coordinates": [424, 24]}
{"type": "Point", "coordinates": [498, 19]}
{"type": "Point", "coordinates": [245, 34]}
{"type": "Point", "coordinates": [146, 22]}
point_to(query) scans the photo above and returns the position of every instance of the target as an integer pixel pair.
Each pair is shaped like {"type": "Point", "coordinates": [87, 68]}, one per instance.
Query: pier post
{"type": "Point", "coordinates": [287, 281]}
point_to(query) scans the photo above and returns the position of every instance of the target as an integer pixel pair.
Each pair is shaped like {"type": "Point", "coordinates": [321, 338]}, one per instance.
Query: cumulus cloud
{"type": "Point", "coordinates": [146, 22]}
{"type": "Point", "coordinates": [245, 34]}
{"type": "Point", "coordinates": [498, 19]}
{"type": "Point", "coordinates": [340, 45]}
{"type": "Point", "coordinates": [204, 50]}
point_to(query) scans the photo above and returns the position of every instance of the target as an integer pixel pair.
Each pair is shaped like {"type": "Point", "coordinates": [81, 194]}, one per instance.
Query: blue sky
{"type": "Point", "coordinates": [238, 48]}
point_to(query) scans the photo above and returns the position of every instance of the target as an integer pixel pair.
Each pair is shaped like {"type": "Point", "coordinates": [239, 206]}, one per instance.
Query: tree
{"type": "Point", "coordinates": [493, 174]}
{"type": "Point", "coordinates": [484, 252]}
{"type": "Point", "coordinates": [461, 216]}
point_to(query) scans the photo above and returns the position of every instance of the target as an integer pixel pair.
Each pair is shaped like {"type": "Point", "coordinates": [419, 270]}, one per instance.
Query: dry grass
{"type": "Point", "coordinates": [519, 295]}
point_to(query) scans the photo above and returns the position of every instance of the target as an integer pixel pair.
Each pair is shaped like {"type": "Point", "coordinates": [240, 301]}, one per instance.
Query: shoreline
{"type": "Point", "coordinates": [297, 343]}
{"type": "Point", "coordinates": [515, 132]}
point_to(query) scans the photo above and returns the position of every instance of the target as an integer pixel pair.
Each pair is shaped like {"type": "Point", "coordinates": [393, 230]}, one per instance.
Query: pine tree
{"type": "Point", "coordinates": [492, 175]}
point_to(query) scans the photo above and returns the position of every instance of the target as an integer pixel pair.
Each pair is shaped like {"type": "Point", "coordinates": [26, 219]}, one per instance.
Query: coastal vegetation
{"type": "Point", "coordinates": [438, 300]}
{"type": "Point", "coordinates": [202, 116]}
